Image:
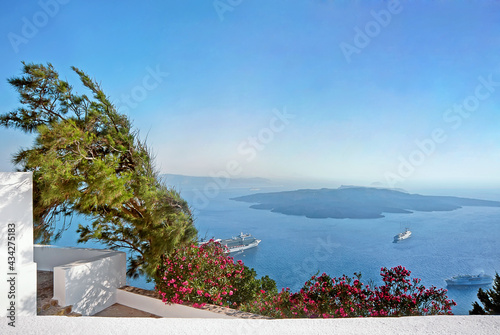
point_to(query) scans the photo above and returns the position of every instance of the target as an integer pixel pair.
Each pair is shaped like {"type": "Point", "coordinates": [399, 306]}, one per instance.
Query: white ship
{"type": "Point", "coordinates": [402, 236]}
{"type": "Point", "coordinates": [463, 280]}
{"type": "Point", "coordinates": [240, 242]}
{"type": "Point", "coordinates": [237, 243]}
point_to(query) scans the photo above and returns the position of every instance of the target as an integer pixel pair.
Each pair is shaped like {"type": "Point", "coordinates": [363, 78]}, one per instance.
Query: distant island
{"type": "Point", "coordinates": [355, 202]}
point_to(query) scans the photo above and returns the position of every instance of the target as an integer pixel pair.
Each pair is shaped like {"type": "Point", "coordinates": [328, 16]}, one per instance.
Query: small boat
{"type": "Point", "coordinates": [402, 236]}
{"type": "Point", "coordinates": [468, 280]}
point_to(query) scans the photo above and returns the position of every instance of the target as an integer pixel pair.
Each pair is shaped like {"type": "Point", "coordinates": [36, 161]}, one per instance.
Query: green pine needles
{"type": "Point", "coordinates": [86, 159]}
{"type": "Point", "coordinates": [490, 299]}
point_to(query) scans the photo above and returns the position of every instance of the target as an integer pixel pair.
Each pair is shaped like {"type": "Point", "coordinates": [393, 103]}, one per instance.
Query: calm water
{"type": "Point", "coordinates": [293, 248]}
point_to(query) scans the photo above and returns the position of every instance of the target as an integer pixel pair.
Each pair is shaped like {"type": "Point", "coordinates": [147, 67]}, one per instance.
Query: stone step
{"type": "Point", "coordinates": [53, 308]}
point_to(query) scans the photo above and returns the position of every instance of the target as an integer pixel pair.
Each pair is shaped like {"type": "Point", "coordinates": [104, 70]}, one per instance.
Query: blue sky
{"type": "Point", "coordinates": [400, 93]}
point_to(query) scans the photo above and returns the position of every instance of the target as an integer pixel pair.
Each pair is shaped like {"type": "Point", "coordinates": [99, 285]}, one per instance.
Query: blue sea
{"type": "Point", "coordinates": [443, 244]}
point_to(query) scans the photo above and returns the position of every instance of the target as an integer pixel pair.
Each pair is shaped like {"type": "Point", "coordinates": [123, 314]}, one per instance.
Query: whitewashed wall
{"type": "Point", "coordinates": [49, 256]}
{"type": "Point", "coordinates": [158, 307]}
{"type": "Point", "coordinates": [16, 207]}
{"type": "Point", "coordinates": [87, 279]}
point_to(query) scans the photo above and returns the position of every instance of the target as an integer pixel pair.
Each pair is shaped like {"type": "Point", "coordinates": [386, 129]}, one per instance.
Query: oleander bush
{"type": "Point", "coordinates": [326, 297]}
{"type": "Point", "coordinates": [206, 274]}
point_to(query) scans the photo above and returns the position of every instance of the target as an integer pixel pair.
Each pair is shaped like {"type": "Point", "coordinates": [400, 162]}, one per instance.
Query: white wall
{"type": "Point", "coordinates": [49, 256]}
{"type": "Point", "coordinates": [85, 278]}
{"type": "Point", "coordinates": [158, 307]}
{"type": "Point", "coordinates": [16, 207]}
{"type": "Point", "coordinates": [410, 325]}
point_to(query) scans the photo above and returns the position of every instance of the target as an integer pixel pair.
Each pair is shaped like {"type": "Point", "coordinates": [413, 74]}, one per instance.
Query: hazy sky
{"type": "Point", "coordinates": [401, 93]}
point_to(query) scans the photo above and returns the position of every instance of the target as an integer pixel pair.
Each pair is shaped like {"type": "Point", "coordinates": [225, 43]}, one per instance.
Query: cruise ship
{"type": "Point", "coordinates": [467, 280]}
{"type": "Point", "coordinates": [402, 236]}
{"type": "Point", "coordinates": [237, 243]}
{"type": "Point", "coordinates": [240, 242]}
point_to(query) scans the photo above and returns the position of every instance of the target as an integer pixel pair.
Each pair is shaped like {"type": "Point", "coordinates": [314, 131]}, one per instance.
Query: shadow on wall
{"type": "Point", "coordinates": [87, 279]}
{"type": "Point", "coordinates": [16, 244]}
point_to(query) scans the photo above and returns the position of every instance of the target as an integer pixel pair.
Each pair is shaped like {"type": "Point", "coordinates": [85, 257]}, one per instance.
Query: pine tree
{"type": "Point", "coordinates": [86, 159]}
{"type": "Point", "coordinates": [490, 299]}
